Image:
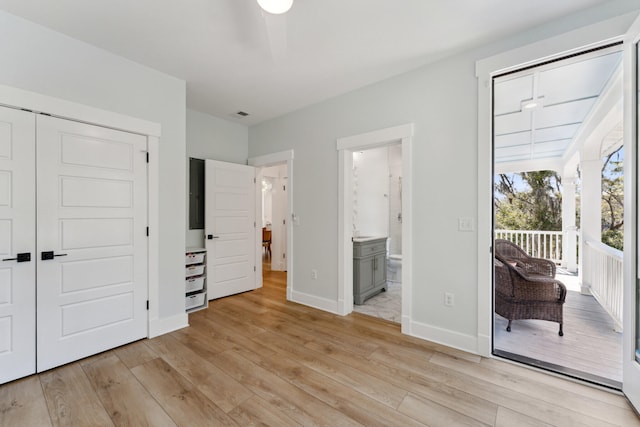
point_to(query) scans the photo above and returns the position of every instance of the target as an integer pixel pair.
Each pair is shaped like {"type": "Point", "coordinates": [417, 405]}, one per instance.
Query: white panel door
{"type": "Point", "coordinates": [91, 235]}
{"type": "Point", "coordinates": [17, 235]}
{"type": "Point", "coordinates": [229, 228]}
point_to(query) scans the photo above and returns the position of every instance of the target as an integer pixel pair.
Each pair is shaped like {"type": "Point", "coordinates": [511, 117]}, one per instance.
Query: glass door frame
{"type": "Point", "coordinates": [619, 29]}
{"type": "Point", "coordinates": [630, 365]}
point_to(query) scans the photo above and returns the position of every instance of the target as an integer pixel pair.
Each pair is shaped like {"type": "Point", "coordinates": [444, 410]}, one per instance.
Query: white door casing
{"type": "Point", "coordinates": [229, 228]}
{"type": "Point", "coordinates": [91, 213]}
{"type": "Point", "coordinates": [630, 365]}
{"type": "Point", "coordinates": [17, 235]}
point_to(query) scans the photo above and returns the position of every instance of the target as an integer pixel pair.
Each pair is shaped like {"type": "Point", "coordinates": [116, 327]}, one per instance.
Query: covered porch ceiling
{"type": "Point", "coordinates": [544, 116]}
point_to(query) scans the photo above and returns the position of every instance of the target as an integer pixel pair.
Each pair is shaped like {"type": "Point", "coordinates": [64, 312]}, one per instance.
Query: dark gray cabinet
{"type": "Point", "coordinates": [369, 268]}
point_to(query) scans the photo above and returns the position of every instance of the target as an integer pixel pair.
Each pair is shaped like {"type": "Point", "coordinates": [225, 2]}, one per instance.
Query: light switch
{"type": "Point", "coordinates": [465, 224]}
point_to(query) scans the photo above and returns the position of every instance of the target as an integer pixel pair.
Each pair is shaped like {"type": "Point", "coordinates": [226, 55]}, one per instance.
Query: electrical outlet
{"type": "Point", "coordinates": [314, 274]}
{"type": "Point", "coordinates": [449, 299]}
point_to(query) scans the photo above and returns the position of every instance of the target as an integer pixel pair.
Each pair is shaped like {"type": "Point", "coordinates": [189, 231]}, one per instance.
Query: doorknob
{"type": "Point", "coordinates": [21, 257]}
{"type": "Point", "coordinates": [47, 255]}
{"type": "Point", "coordinates": [211, 237]}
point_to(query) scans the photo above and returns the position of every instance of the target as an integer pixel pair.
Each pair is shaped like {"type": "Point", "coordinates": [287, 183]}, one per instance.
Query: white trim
{"type": "Point", "coordinates": [376, 138]}
{"type": "Point", "coordinates": [630, 368]}
{"type": "Point", "coordinates": [14, 97]}
{"type": "Point", "coordinates": [18, 98]}
{"type": "Point", "coordinates": [407, 232]}
{"type": "Point", "coordinates": [270, 160]}
{"type": "Point", "coordinates": [314, 301]}
{"type": "Point", "coordinates": [581, 39]}
{"type": "Point", "coordinates": [346, 146]}
{"type": "Point", "coordinates": [153, 222]}
{"type": "Point", "coordinates": [165, 325]}
{"type": "Point", "coordinates": [446, 337]}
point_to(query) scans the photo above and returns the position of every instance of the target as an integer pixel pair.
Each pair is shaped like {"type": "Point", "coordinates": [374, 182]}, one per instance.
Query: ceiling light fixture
{"type": "Point", "coordinates": [276, 7]}
{"type": "Point", "coordinates": [531, 104]}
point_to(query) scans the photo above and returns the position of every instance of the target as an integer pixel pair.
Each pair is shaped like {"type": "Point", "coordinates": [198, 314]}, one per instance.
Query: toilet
{"type": "Point", "coordinates": [394, 268]}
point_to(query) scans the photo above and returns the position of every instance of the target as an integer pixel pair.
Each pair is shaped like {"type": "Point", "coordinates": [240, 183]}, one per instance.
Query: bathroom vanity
{"type": "Point", "coordinates": [369, 267]}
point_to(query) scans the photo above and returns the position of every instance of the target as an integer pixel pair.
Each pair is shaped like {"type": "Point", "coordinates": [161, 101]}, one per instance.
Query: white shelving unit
{"type": "Point", "coordinates": [195, 285]}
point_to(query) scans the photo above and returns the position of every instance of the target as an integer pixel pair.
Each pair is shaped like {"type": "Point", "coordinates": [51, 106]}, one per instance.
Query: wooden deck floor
{"type": "Point", "coordinates": [256, 359]}
{"type": "Point", "coordinates": [589, 343]}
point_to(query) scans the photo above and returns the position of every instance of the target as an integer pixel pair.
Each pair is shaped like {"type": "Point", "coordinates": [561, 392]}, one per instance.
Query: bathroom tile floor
{"type": "Point", "coordinates": [386, 305]}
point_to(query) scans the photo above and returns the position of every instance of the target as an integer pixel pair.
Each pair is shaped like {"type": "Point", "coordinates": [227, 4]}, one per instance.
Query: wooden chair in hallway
{"type": "Point", "coordinates": [266, 240]}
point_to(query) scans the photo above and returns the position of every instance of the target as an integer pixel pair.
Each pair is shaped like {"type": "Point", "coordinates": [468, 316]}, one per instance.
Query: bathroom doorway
{"type": "Point", "coordinates": [401, 136]}
{"type": "Point", "coordinates": [377, 217]}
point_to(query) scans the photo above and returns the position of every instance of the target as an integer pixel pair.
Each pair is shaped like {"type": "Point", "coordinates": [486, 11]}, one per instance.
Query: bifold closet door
{"type": "Point", "coordinates": [91, 240]}
{"type": "Point", "coordinates": [17, 236]}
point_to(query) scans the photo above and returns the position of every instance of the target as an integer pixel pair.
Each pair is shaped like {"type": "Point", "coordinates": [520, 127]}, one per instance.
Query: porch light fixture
{"type": "Point", "coordinates": [276, 7]}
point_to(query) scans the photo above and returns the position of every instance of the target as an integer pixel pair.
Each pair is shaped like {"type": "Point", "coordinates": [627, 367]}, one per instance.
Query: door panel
{"type": "Point", "coordinates": [230, 221]}
{"type": "Point", "coordinates": [92, 214]}
{"type": "Point", "coordinates": [17, 235]}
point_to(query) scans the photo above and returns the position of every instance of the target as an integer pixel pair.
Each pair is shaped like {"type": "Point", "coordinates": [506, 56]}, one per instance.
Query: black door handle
{"type": "Point", "coordinates": [211, 237]}
{"type": "Point", "coordinates": [47, 255]}
{"type": "Point", "coordinates": [21, 257]}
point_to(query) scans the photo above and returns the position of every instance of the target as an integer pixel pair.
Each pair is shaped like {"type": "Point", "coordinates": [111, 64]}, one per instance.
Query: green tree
{"type": "Point", "coordinates": [528, 201]}
{"type": "Point", "coordinates": [613, 199]}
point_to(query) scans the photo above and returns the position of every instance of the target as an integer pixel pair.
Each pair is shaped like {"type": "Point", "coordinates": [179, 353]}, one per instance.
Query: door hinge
{"type": "Point", "coordinates": [147, 231]}
{"type": "Point", "coordinates": [147, 304]}
{"type": "Point", "coordinates": [254, 224]}
{"type": "Point", "coordinates": [254, 268]}
{"type": "Point", "coordinates": [147, 157]}
{"type": "Point", "coordinates": [284, 222]}
{"type": "Point", "coordinates": [283, 256]}
{"type": "Point", "coordinates": [284, 188]}
{"type": "Point", "coordinates": [254, 179]}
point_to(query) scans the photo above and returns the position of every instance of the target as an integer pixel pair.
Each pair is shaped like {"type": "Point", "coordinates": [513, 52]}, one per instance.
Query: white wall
{"type": "Point", "coordinates": [441, 100]}
{"type": "Point", "coordinates": [370, 192]}
{"type": "Point", "coordinates": [209, 137]}
{"type": "Point", "coordinates": [43, 61]}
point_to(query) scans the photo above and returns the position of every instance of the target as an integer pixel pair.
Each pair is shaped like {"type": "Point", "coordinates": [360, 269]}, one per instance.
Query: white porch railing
{"type": "Point", "coordinates": [538, 244]}
{"type": "Point", "coordinates": [602, 272]}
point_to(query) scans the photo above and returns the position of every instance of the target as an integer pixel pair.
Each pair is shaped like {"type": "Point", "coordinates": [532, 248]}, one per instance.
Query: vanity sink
{"type": "Point", "coordinates": [361, 239]}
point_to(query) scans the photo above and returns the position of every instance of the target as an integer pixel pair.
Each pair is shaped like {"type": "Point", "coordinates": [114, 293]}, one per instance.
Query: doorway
{"type": "Point", "coordinates": [557, 163]}
{"type": "Point", "coordinates": [399, 135]}
{"type": "Point", "coordinates": [274, 183]}
{"type": "Point", "coordinates": [274, 213]}
{"type": "Point", "coordinates": [377, 214]}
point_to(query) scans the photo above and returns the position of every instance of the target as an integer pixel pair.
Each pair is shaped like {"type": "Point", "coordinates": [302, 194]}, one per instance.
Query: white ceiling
{"type": "Point", "coordinates": [236, 58]}
{"type": "Point", "coordinates": [566, 92]}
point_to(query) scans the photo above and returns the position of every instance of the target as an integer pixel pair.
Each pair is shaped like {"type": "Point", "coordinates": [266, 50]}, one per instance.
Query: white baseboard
{"type": "Point", "coordinates": [443, 336]}
{"type": "Point", "coordinates": [324, 304]}
{"type": "Point", "coordinates": [484, 345]}
{"type": "Point", "coordinates": [405, 325]}
{"type": "Point", "coordinates": [163, 326]}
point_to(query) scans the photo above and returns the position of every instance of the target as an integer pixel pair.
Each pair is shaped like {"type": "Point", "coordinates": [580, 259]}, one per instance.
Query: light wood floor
{"type": "Point", "coordinates": [256, 359]}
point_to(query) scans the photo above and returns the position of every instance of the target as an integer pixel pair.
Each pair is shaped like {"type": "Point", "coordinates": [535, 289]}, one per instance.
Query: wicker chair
{"type": "Point", "coordinates": [525, 287]}
{"type": "Point", "coordinates": [510, 252]}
